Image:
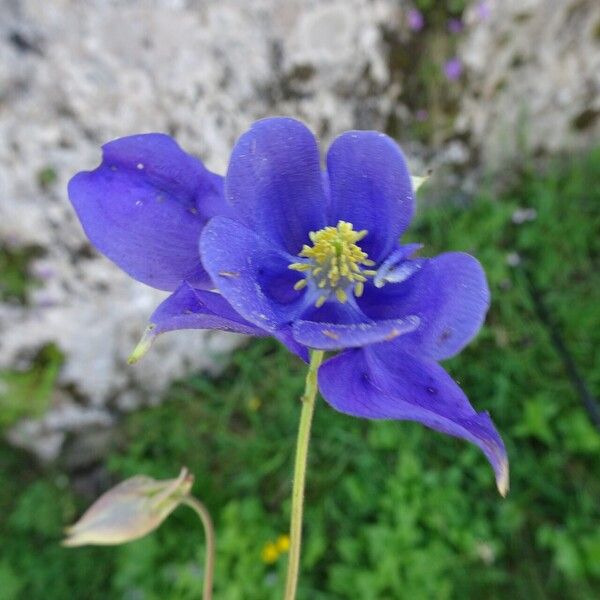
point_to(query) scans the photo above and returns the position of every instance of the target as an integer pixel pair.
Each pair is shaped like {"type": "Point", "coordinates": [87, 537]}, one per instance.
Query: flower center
{"type": "Point", "coordinates": [335, 262]}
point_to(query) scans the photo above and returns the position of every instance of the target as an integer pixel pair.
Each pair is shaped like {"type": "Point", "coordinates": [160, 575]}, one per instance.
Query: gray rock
{"type": "Point", "coordinates": [76, 74]}
{"type": "Point", "coordinates": [534, 79]}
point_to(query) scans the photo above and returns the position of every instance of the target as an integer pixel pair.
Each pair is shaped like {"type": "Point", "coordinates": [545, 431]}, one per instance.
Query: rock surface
{"type": "Point", "coordinates": [534, 79]}
{"type": "Point", "coordinates": [75, 74]}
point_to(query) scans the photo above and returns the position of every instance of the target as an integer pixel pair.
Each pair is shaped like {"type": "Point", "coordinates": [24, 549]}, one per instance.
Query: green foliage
{"type": "Point", "coordinates": [47, 177]}
{"type": "Point", "coordinates": [433, 8]}
{"type": "Point", "coordinates": [27, 393]}
{"type": "Point", "coordinates": [15, 279]}
{"type": "Point", "coordinates": [35, 507]}
{"type": "Point", "coordinates": [393, 510]}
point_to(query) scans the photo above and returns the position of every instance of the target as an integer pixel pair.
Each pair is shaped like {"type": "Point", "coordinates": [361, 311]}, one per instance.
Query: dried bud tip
{"type": "Point", "coordinates": [503, 479]}
{"type": "Point", "coordinates": [417, 181]}
{"type": "Point", "coordinates": [143, 345]}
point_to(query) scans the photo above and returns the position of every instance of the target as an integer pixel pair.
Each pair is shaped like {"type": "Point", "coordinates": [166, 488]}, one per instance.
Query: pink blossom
{"type": "Point", "coordinates": [455, 25]}
{"type": "Point", "coordinates": [415, 19]}
{"type": "Point", "coordinates": [453, 69]}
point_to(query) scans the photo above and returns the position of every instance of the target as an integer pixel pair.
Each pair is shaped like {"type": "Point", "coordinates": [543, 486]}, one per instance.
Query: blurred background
{"type": "Point", "coordinates": [500, 100]}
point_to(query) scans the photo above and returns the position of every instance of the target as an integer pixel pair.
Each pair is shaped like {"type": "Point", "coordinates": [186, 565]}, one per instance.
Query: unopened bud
{"type": "Point", "coordinates": [129, 511]}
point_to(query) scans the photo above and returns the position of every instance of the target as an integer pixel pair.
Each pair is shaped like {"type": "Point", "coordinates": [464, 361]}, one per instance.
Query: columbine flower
{"type": "Point", "coordinates": [318, 254]}
{"type": "Point", "coordinates": [311, 257]}
{"type": "Point", "coordinates": [453, 69]}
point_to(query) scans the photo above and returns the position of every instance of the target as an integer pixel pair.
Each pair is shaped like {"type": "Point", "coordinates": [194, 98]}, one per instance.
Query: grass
{"type": "Point", "coordinates": [16, 280]}
{"type": "Point", "coordinates": [27, 393]}
{"type": "Point", "coordinates": [393, 510]}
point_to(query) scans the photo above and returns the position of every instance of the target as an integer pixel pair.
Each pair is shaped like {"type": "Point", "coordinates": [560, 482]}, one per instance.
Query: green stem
{"type": "Point", "coordinates": [209, 534]}
{"type": "Point", "coordinates": [308, 408]}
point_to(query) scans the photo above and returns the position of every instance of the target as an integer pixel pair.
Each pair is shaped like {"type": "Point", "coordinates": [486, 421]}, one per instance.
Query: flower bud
{"type": "Point", "coordinates": [129, 511]}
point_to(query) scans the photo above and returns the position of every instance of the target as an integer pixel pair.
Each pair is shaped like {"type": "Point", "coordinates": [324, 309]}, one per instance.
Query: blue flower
{"type": "Point", "coordinates": [319, 254]}
{"type": "Point", "coordinates": [310, 256]}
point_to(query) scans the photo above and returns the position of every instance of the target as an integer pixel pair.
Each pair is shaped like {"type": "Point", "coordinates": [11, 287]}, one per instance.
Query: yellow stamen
{"type": "Point", "coordinates": [335, 262]}
{"type": "Point", "coordinates": [301, 283]}
{"type": "Point", "coordinates": [320, 301]}
{"type": "Point", "coordinates": [341, 295]}
{"type": "Point", "coordinates": [299, 267]}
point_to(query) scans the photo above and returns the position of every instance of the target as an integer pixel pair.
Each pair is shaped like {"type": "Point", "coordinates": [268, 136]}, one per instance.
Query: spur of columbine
{"type": "Point", "coordinates": [308, 255]}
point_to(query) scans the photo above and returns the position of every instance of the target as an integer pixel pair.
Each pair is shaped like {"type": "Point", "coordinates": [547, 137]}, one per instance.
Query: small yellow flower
{"type": "Point", "coordinates": [283, 543]}
{"type": "Point", "coordinates": [254, 403]}
{"type": "Point", "coordinates": [270, 553]}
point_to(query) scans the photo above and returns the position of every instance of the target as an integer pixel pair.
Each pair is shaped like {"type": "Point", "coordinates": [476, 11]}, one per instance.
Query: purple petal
{"type": "Point", "coordinates": [453, 69]}
{"type": "Point", "coordinates": [274, 182]}
{"type": "Point", "coordinates": [251, 273]}
{"type": "Point", "coordinates": [397, 267]}
{"type": "Point", "coordinates": [189, 308]}
{"type": "Point", "coordinates": [144, 208]}
{"type": "Point", "coordinates": [286, 337]}
{"type": "Point", "coordinates": [371, 188]}
{"type": "Point", "coordinates": [455, 25]}
{"type": "Point", "coordinates": [376, 383]}
{"type": "Point", "coordinates": [333, 336]}
{"type": "Point", "coordinates": [449, 295]}
{"type": "Point", "coordinates": [484, 10]}
{"type": "Point", "coordinates": [415, 19]}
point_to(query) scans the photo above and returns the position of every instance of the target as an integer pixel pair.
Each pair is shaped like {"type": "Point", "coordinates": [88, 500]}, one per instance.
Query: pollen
{"type": "Point", "coordinates": [335, 263]}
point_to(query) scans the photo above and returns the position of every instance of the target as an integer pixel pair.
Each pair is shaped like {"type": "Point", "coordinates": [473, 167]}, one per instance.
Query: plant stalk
{"type": "Point", "coordinates": [308, 408]}
{"type": "Point", "coordinates": [209, 534]}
